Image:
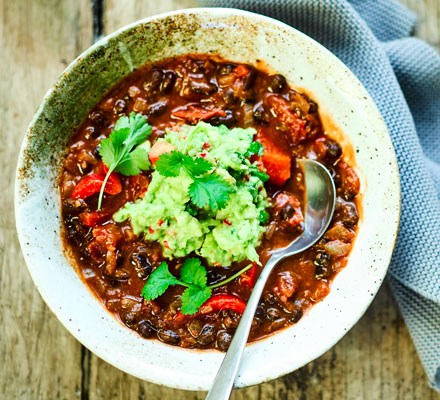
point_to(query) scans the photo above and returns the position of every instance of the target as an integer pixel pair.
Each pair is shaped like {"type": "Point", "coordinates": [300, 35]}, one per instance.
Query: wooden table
{"type": "Point", "coordinates": [39, 359]}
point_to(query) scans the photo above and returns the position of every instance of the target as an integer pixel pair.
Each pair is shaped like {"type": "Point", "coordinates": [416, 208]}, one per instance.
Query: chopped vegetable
{"type": "Point", "coordinates": [159, 148]}
{"type": "Point", "coordinates": [276, 161]}
{"type": "Point", "coordinates": [223, 302]}
{"type": "Point", "coordinates": [196, 113]}
{"type": "Point", "coordinates": [248, 277]}
{"type": "Point", "coordinates": [93, 183]}
{"type": "Point", "coordinates": [294, 124]}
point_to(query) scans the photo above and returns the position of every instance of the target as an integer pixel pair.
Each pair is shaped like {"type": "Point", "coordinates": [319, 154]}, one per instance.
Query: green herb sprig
{"type": "Point", "coordinates": [212, 189]}
{"type": "Point", "coordinates": [119, 152]}
{"type": "Point", "coordinates": [193, 276]}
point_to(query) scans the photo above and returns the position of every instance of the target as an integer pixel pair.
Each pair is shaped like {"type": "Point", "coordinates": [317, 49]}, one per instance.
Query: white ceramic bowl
{"type": "Point", "coordinates": [238, 36]}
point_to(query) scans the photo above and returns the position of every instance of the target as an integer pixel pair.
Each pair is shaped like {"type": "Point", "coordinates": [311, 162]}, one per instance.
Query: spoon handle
{"type": "Point", "coordinates": [224, 381]}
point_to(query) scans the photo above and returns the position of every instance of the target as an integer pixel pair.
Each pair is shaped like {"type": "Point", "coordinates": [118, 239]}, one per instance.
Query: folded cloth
{"type": "Point", "coordinates": [402, 74]}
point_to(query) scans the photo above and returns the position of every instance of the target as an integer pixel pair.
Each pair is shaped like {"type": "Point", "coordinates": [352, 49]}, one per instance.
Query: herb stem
{"type": "Point", "coordinates": [231, 278]}
{"type": "Point", "coordinates": [101, 192]}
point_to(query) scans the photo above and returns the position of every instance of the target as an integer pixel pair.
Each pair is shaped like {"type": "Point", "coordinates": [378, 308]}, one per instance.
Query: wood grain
{"type": "Point", "coordinates": [39, 358]}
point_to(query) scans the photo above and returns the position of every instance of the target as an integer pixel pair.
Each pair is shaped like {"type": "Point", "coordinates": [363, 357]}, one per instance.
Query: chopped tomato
{"type": "Point", "coordinates": [93, 218]}
{"type": "Point", "coordinates": [241, 71]}
{"type": "Point", "coordinates": [276, 161]}
{"type": "Point", "coordinates": [113, 179]}
{"type": "Point", "coordinates": [158, 149]}
{"type": "Point", "coordinates": [196, 113]}
{"type": "Point", "coordinates": [294, 124]}
{"type": "Point", "coordinates": [223, 302]}
{"type": "Point", "coordinates": [350, 181]}
{"type": "Point", "coordinates": [248, 277]}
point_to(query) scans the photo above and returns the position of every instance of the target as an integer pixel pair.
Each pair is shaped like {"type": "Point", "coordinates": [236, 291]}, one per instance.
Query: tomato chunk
{"type": "Point", "coordinates": [294, 124]}
{"type": "Point", "coordinates": [92, 184]}
{"type": "Point", "coordinates": [276, 161]}
{"type": "Point", "coordinates": [158, 149]}
{"type": "Point", "coordinates": [195, 113]}
{"type": "Point", "coordinates": [241, 71]}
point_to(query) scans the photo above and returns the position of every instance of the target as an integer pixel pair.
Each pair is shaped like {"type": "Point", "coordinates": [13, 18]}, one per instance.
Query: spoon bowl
{"type": "Point", "coordinates": [320, 206]}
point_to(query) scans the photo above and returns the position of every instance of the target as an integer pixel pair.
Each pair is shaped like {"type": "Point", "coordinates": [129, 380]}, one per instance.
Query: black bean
{"type": "Point", "coordinates": [276, 83]}
{"type": "Point", "coordinates": [168, 81]}
{"type": "Point", "coordinates": [229, 96]}
{"type": "Point", "coordinates": [287, 212]}
{"type": "Point", "coordinates": [74, 206]}
{"type": "Point", "coordinates": [249, 79]}
{"type": "Point", "coordinates": [296, 315]}
{"type": "Point", "coordinates": [206, 336]}
{"type": "Point", "coordinates": [204, 88]}
{"type": "Point", "coordinates": [273, 313]}
{"type": "Point", "coordinates": [214, 276]}
{"type": "Point", "coordinates": [120, 106]}
{"type": "Point", "coordinates": [226, 69]}
{"type": "Point", "coordinates": [157, 108]}
{"type": "Point", "coordinates": [194, 327]}
{"type": "Point", "coordinates": [97, 117]}
{"type": "Point", "coordinates": [145, 328]}
{"type": "Point", "coordinates": [332, 150]}
{"type": "Point", "coordinates": [323, 268]}
{"type": "Point", "coordinates": [223, 340]}
{"type": "Point", "coordinates": [153, 80]}
{"type": "Point", "coordinates": [168, 336]}
{"type": "Point", "coordinates": [129, 318]}
{"type": "Point", "coordinates": [350, 216]}
{"type": "Point", "coordinates": [229, 120]}
{"type": "Point", "coordinates": [260, 113]}
{"type": "Point", "coordinates": [142, 265]}
{"type": "Point", "coordinates": [119, 275]}
{"type": "Point", "coordinates": [313, 107]}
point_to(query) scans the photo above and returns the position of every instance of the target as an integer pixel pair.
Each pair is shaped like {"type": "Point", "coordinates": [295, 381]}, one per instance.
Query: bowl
{"type": "Point", "coordinates": [347, 112]}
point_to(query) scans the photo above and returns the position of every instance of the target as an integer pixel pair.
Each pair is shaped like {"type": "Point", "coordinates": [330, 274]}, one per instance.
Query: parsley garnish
{"type": "Point", "coordinates": [118, 152]}
{"type": "Point", "coordinates": [193, 275]}
{"type": "Point", "coordinates": [206, 190]}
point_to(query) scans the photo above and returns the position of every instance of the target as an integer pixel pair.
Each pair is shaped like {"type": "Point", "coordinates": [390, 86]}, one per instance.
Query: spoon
{"type": "Point", "coordinates": [321, 199]}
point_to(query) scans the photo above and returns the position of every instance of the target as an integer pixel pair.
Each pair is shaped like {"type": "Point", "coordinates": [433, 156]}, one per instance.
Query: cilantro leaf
{"type": "Point", "coordinates": [210, 190]}
{"type": "Point", "coordinates": [117, 150]}
{"type": "Point", "coordinates": [254, 148]}
{"type": "Point", "coordinates": [193, 272]}
{"type": "Point", "coordinates": [159, 282]}
{"type": "Point", "coordinates": [189, 208]}
{"type": "Point", "coordinates": [193, 297]}
{"type": "Point", "coordinates": [169, 164]}
{"type": "Point", "coordinates": [263, 217]}
{"type": "Point", "coordinates": [197, 166]}
{"type": "Point", "coordinates": [262, 176]}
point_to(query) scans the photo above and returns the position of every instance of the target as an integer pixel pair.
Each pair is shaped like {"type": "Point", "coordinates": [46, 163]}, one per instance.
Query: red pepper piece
{"type": "Point", "coordinates": [91, 184]}
{"type": "Point", "coordinates": [223, 302]}
{"type": "Point", "coordinates": [93, 218]}
{"type": "Point", "coordinates": [195, 113]}
{"type": "Point", "coordinates": [248, 278]}
{"type": "Point", "coordinates": [113, 182]}
{"type": "Point", "coordinates": [241, 71]}
{"type": "Point", "coordinates": [87, 186]}
{"type": "Point", "coordinates": [294, 124]}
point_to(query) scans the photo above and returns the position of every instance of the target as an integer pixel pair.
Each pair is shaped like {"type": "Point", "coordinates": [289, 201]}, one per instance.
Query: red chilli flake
{"type": "Point", "coordinates": [165, 243]}
{"type": "Point", "coordinates": [150, 229]}
{"type": "Point", "coordinates": [160, 222]}
{"type": "Point", "coordinates": [206, 146]}
{"type": "Point", "coordinates": [202, 155]}
{"type": "Point", "coordinates": [225, 221]}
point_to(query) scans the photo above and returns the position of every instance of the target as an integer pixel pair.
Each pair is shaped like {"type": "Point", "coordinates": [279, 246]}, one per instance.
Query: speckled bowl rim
{"type": "Point", "coordinates": [160, 372]}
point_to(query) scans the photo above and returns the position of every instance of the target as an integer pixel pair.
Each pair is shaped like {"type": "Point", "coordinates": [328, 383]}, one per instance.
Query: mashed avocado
{"type": "Point", "coordinates": [166, 214]}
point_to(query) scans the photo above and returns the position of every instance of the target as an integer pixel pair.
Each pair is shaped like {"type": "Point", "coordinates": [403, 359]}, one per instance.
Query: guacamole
{"type": "Point", "coordinates": [167, 215]}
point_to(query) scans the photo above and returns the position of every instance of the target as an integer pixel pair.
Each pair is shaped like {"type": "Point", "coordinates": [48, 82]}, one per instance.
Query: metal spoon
{"type": "Point", "coordinates": [321, 199]}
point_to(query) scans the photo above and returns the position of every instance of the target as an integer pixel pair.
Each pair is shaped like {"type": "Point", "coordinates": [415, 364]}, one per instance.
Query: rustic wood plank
{"type": "Point", "coordinates": [39, 358]}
